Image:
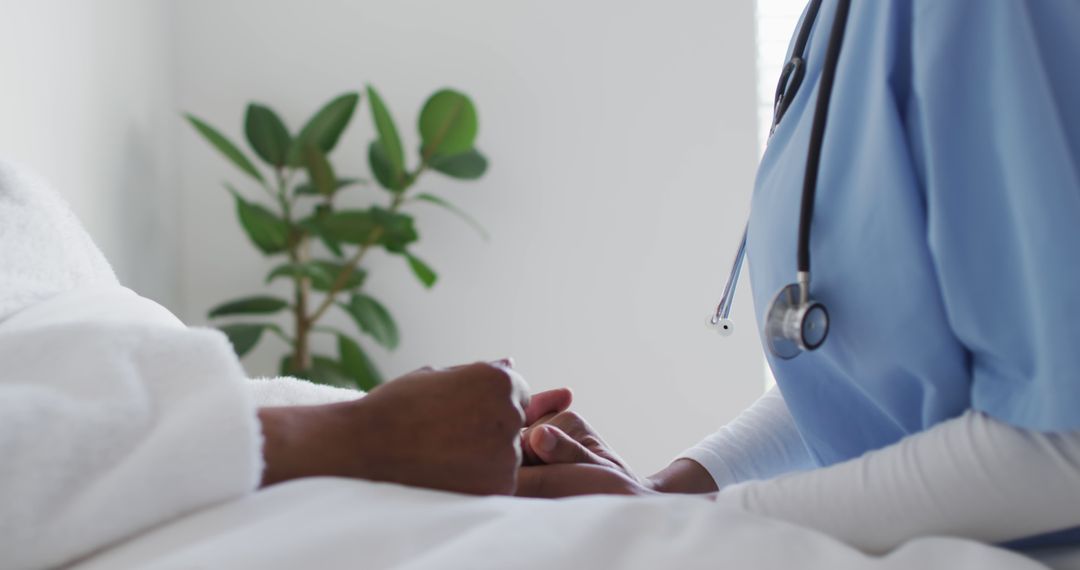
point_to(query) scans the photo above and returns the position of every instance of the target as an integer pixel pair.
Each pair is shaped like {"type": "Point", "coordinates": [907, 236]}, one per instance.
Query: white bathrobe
{"type": "Point", "coordinates": [114, 416]}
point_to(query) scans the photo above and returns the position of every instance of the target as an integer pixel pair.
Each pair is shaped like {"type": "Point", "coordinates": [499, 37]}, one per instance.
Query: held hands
{"type": "Point", "coordinates": [464, 429]}
{"type": "Point", "coordinates": [564, 456]}
{"type": "Point", "coordinates": [455, 429]}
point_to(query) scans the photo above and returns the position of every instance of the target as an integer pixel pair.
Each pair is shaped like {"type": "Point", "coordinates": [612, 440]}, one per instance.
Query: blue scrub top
{"type": "Point", "coordinates": [946, 234]}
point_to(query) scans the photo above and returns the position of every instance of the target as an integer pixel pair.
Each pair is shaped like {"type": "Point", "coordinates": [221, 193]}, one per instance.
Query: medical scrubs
{"type": "Point", "coordinates": [946, 233]}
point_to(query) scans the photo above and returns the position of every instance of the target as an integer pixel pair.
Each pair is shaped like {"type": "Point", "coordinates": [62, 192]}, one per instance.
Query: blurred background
{"type": "Point", "coordinates": [623, 137]}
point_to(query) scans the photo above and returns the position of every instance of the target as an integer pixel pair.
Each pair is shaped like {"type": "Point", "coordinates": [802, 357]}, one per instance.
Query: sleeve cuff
{"type": "Point", "coordinates": [717, 467]}
{"type": "Point", "coordinates": [288, 391]}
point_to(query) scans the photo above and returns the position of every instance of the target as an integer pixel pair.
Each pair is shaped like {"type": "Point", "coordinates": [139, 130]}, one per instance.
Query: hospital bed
{"type": "Point", "coordinates": [335, 523]}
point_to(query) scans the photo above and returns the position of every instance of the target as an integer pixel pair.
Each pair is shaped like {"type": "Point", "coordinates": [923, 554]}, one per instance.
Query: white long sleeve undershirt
{"type": "Point", "coordinates": [761, 443]}
{"type": "Point", "coordinates": [972, 477]}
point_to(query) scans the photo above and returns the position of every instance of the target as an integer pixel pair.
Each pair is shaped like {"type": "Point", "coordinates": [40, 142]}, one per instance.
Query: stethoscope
{"type": "Point", "coordinates": [795, 322]}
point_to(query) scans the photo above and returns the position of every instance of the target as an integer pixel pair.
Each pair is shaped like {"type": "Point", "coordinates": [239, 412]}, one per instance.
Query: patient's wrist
{"type": "Point", "coordinates": [299, 441]}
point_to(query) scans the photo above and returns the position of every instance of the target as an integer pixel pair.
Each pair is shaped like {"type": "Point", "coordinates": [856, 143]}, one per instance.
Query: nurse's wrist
{"type": "Point", "coordinates": [683, 476]}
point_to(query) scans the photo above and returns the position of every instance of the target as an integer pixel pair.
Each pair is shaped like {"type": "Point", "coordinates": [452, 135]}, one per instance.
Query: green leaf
{"type": "Point", "coordinates": [348, 226]}
{"type": "Point", "coordinates": [331, 244]}
{"type": "Point", "coordinates": [448, 124]}
{"type": "Point", "coordinates": [285, 367]}
{"type": "Point", "coordinates": [326, 370]}
{"type": "Point", "coordinates": [398, 230]}
{"type": "Point", "coordinates": [382, 170]}
{"type": "Point", "coordinates": [324, 128]}
{"type": "Point", "coordinates": [423, 271]}
{"type": "Point", "coordinates": [323, 370]}
{"type": "Point", "coordinates": [262, 304]}
{"type": "Point", "coordinates": [388, 136]}
{"type": "Point", "coordinates": [373, 319]}
{"type": "Point", "coordinates": [394, 230]}
{"type": "Point", "coordinates": [313, 224]}
{"type": "Point", "coordinates": [432, 199]}
{"type": "Point", "coordinates": [267, 231]}
{"type": "Point", "coordinates": [244, 336]}
{"type": "Point", "coordinates": [308, 190]}
{"type": "Point", "coordinates": [335, 269]}
{"type": "Point", "coordinates": [468, 165]}
{"type": "Point", "coordinates": [356, 364]}
{"type": "Point", "coordinates": [266, 133]}
{"type": "Point", "coordinates": [320, 278]}
{"type": "Point", "coordinates": [322, 273]}
{"type": "Point", "coordinates": [319, 171]}
{"type": "Point", "coordinates": [225, 146]}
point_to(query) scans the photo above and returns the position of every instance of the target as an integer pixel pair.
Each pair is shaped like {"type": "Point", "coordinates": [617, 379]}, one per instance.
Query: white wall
{"type": "Point", "coordinates": [86, 101]}
{"type": "Point", "coordinates": [622, 140]}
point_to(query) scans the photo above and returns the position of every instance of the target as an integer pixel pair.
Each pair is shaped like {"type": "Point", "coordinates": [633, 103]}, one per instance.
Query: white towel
{"type": "Point", "coordinates": [114, 416]}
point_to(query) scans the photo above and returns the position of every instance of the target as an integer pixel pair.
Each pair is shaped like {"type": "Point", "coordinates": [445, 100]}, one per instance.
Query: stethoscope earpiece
{"type": "Point", "coordinates": [724, 327]}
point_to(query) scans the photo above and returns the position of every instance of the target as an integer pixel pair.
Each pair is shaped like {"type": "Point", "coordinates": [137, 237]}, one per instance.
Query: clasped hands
{"type": "Point", "coordinates": [468, 429]}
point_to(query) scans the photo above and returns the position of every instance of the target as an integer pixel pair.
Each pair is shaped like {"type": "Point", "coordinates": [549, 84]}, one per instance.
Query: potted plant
{"type": "Point", "coordinates": [322, 247]}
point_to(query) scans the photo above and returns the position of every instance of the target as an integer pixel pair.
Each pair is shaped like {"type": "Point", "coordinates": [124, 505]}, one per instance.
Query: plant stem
{"type": "Point", "coordinates": [302, 355]}
{"type": "Point", "coordinates": [354, 262]}
{"type": "Point", "coordinates": [305, 324]}
{"type": "Point", "coordinates": [347, 272]}
{"type": "Point", "coordinates": [297, 251]}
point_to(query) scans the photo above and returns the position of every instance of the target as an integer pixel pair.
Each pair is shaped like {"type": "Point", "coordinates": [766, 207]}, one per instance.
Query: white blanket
{"type": "Point", "coordinates": [333, 523]}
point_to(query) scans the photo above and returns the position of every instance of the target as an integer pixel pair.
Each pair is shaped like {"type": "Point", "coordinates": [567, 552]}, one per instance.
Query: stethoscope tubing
{"type": "Point", "coordinates": [788, 85]}
{"type": "Point", "coordinates": [817, 134]}
{"type": "Point", "coordinates": [723, 309]}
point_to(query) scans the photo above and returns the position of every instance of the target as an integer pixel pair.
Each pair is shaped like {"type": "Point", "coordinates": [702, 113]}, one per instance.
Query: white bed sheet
{"type": "Point", "coordinates": [336, 523]}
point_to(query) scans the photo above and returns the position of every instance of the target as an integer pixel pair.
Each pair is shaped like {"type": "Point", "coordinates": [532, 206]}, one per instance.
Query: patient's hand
{"type": "Point", "coordinates": [455, 429]}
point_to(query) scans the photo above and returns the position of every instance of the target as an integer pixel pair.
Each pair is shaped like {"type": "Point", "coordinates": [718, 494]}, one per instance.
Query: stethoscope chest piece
{"type": "Point", "coordinates": [794, 324]}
